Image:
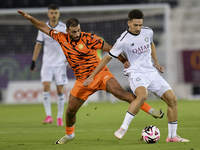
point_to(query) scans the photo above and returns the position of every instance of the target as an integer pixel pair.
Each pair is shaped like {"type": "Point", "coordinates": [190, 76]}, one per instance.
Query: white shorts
{"type": "Point", "coordinates": [153, 81]}
{"type": "Point", "coordinates": [59, 74]}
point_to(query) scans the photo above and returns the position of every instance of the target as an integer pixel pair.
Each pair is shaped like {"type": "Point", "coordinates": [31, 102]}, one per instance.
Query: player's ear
{"type": "Point", "coordinates": [58, 14]}
{"type": "Point", "coordinates": [48, 14]}
{"type": "Point", "coordinates": [128, 22]}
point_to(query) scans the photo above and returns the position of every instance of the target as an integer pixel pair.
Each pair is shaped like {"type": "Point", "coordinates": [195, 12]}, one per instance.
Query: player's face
{"type": "Point", "coordinates": [135, 25]}
{"type": "Point", "coordinates": [74, 33]}
{"type": "Point", "coordinates": [53, 15]}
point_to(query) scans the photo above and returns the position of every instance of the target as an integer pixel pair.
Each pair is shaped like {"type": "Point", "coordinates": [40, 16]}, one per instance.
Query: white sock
{"type": "Point", "coordinates": [61, 104]}
{"type": "Point", "coordinates": [172, 127]}
{"type": "Point", "coordinates": [70, 136]}
{"type": "Point", "coordinates": [150, 110]}
{"type": "Point", "coordinates": [127, 120]}
{"type": "Point", "coordinates": [47, 103]}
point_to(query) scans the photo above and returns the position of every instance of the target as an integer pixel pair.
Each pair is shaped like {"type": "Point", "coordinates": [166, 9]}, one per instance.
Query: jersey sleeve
{"type": "Point", "coordinates": [151, 37]}
{"type": "Point", "coordinates": [40, 37]}
{"type": "Point", "coordinates": [95, 42]}
{"type": "Point", "coordinates": [116, 50]}
{"type": "Point", "coordinates": [55, 35]}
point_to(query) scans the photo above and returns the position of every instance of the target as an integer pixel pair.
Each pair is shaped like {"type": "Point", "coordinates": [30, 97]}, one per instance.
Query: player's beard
{"type": "Point", "coordinates": [75, 39]}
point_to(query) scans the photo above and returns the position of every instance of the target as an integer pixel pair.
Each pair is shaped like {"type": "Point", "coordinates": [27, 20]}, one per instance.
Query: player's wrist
{"type": "Point", "coordinates": [32, 65]}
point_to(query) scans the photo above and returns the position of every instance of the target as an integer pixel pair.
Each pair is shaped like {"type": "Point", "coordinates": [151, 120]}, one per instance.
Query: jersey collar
{"type": "Point", "coordinates": [132, 33]}
{"type": "Point", "coordinates": [51, 26]}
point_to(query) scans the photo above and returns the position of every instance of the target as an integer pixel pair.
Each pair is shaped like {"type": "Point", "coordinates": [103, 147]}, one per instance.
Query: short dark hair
{"type": "Point", "coordinates": [53, 6]}
{"type": "Point", "coordinates": [135, 14]}
{"type": "Point", "coordinates": [72, 22]}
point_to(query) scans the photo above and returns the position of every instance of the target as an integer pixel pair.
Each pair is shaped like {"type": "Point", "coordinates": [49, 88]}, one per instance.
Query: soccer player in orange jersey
{"type": "Point", "coordinates": [80, 51]}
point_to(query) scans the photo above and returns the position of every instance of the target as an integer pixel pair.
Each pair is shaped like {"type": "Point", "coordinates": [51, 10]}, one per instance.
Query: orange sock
{"type": "Point", "coordinates": [70, 130]}
{"type": "Point", "coordinates": [146, 107]}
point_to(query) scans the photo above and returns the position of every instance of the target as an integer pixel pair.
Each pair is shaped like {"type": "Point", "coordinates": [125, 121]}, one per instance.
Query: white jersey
{"type": "Point", "coordinates": [137, 49]}
{"type": "Point", "coordinates": [53, 54]}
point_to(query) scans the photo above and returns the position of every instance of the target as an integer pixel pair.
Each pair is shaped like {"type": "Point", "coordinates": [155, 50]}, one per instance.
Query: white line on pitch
{"type": "Point", "coordinates": [95, 130]}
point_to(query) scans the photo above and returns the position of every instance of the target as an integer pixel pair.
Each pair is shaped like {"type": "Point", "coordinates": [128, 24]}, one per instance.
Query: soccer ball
{"type": "Point", "coordinates": [150, 134]}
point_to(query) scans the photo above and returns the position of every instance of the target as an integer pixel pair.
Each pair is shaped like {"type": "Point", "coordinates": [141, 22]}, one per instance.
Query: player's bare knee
{"type": "Point", "coordinates": [70, 114]}
{"type": "Point", "coordinates": [172, 101]}
{"type": "Point", "coordinates": [46, 88]}
{"type": "Point", "coordinates": [142, 98]}
{"type": "Point", "coordinates": [60, 91]}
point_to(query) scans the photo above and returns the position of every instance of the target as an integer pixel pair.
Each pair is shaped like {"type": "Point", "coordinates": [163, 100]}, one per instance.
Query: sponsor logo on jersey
{"type": "Point", "coordinates": [141, 49]}
{"type": "Point", "coordinates": [106, 76]}
{"type": "Point", "coordinates": [80, 46]}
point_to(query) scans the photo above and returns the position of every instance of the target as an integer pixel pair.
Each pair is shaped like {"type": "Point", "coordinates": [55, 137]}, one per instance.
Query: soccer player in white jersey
{"type": "Point", "coordinates": [53, 65]}
{"type": "Point", "coordinates": [137, 44]}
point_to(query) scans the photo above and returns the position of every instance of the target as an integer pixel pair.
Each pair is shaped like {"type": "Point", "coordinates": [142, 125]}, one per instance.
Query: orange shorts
{"type": "Point", "coordinates": [98, 83]}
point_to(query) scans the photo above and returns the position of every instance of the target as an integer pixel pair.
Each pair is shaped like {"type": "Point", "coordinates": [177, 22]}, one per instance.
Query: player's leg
{"type": "Point", "coordinates": [73, 106]}
{"type": "Point", "coordinates": [133, 109]}
{"type": "Point", "coordinates": [163, 90]}
{"type": "Point", "coordinates": [61, 104]}
{"type": "Point", "coordinates": [46, 78]}
{"type": "Point", "coordinates": [78, 96]}
{"type": "Point", "coordinates": [61, 79]}
{"type": "Point", "coordinates": [47, 102]}
{"type": "Point", "coordinates": [171, 102]}
{"type": "Point", "coordinates": [113, 86]}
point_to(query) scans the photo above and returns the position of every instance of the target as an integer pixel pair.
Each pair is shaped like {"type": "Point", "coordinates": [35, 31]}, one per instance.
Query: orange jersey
{"type": "Point", "coordinates": [81, 55]}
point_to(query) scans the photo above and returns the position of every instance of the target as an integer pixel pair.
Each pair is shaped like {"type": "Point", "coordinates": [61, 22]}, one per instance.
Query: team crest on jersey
{"type": "Point", "coordinates": [146, 39]}
{"type": "Point", "coordinates": [132, 44]}
{"type": "Point", "coordinates": [80, 46]}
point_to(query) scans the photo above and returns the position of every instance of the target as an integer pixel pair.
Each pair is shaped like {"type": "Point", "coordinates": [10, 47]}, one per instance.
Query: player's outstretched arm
{"type": "Point", "coordinates": [40, 25]}
{"type": "Point", "coordinates": [103, 62]}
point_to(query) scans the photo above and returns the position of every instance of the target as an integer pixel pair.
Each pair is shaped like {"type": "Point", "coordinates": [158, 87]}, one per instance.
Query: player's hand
{"type": "Point", "coordinates": [87, 81]}
{"type": "Point", "coordinates": [25, 15]}
{"type": "Point", "coordinates": [160, 68]}
{"type": "Point", "coordinates": [126, 64]}
{"type": "Point", "coordinates": [32, 68]}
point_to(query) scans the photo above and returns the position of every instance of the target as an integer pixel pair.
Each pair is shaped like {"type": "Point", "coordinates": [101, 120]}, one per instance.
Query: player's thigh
{"type": "Point", "coordinates": [74, 104]}
{"type": "Point", "coordinates": [60, 89]}
{"type": "Point", "coordinates": [82, 92]}
{"type": "Point", "coordinates": [46, 74]}
{"type": "Point", "coordinates": [112, 86]}
{"type": "Point", "coordinates": [141, 92]}
{"type": "Point", "coordinates": [60, 75]}
{"type": "Point", "coordinates": [46, 86]}
{"type": "Point", "coordinates": [169, 97]}
{"type": "Point", "coordinates": [158, 85]}
{"type": "Point", "coordinates": [137, 80]}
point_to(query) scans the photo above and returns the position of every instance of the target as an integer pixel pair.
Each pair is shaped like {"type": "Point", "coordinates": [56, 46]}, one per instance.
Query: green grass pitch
{"type": "Point", "coordinates": [21, 128]}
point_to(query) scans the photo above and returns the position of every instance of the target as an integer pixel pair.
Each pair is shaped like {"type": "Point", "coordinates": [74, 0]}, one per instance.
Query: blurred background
{"type": "Point", "coordinates": [176, 26]}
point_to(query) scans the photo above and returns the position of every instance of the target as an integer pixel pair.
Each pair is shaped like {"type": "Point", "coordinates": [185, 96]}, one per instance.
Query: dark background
{"type": "Point", "coordinates": [45, 3]}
